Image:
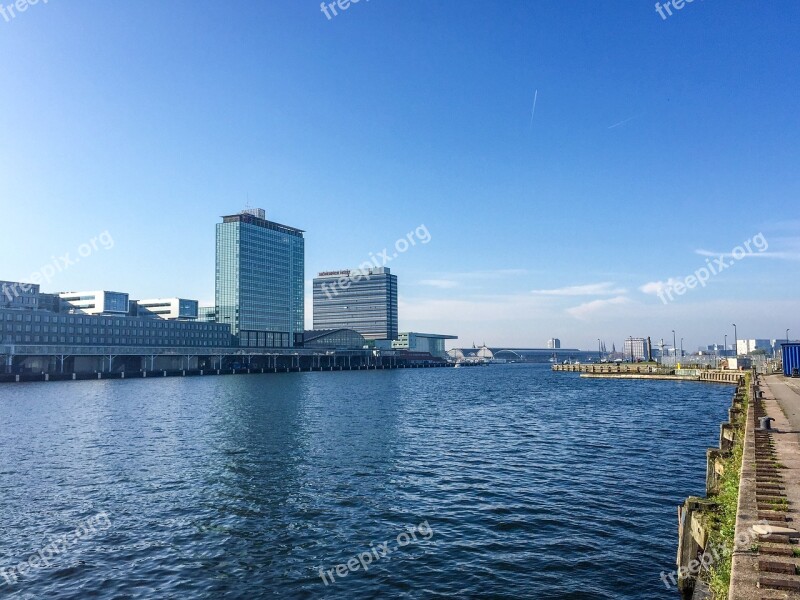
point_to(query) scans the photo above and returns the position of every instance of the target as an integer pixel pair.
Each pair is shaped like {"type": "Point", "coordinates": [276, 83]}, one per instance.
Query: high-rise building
{"type": "Point", "coordinates": [553, 343]}
{"type": "Point", "coordinates": [259, 280]}
{"type": "Point", "coordinates": [361, 299]}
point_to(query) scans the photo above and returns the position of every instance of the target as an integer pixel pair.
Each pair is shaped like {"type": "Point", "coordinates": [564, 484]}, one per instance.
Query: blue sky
{"type": "Point", "coordinates": [652, 144]}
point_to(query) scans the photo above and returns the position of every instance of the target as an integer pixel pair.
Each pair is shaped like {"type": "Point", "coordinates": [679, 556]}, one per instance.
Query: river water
{"type": "Point", "coordinates": [508, 481]}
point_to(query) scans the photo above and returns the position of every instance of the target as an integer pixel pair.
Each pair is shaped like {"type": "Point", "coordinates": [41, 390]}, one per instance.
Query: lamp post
{"type": "Point", "coordinates": [735, 341]}
{"type": "Point", "coordinates": [725, 347]}
{"type": "Point", "coordinates": [681, 347]}
{"type": "Point", "coordinates": [674, 347]}
{"type": "Point", "coordinates": [599, 353]}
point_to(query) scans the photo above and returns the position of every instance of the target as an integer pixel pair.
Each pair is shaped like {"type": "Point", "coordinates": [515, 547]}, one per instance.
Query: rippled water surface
{"type": "Point", "coordinates": [531, 484]}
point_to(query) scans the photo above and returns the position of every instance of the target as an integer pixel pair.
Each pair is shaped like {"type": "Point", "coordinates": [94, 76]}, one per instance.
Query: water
{"type": "Point", "coordinates": [517, 483]}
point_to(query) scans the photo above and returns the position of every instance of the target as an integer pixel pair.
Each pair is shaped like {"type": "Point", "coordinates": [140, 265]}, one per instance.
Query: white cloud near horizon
{"type": "Point", "coordinates": [605, 288]}
{"type": "Point", "coordinates": [653, 288]}
{"type": "Point", "coordinates": [597, 308]}
{"type": "Point", "coordinates": [442, 284]}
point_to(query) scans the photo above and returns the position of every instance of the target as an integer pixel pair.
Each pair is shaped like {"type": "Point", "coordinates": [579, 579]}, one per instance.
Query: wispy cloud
{"type": "Point", "coordinates": [597, 308]}
{"type": "Point", "coordinates": [654, 288]}
{"type": "Point", "coordinates": [780, 255]}
{"type": "Point", "coordinates": [591, 289]}
{"type": "Point", "coordinates": [442, 284]}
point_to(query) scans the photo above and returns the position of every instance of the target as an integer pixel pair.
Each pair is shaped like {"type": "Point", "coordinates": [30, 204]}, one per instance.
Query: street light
{"type": "Point", "coordinates": [674, 347]}
{"type": "Point", "coordinates": [681, 347]}
{"type": "Point", "coordinates": [725, 346]}
{"type": "Point", "coordinates": [599, 354]}
{"type": "Point", "coordinates": [735, 341]}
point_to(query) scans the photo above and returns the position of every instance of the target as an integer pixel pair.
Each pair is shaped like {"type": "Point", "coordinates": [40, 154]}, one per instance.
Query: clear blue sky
{"type": "Point", "coordinates": [653, 142]}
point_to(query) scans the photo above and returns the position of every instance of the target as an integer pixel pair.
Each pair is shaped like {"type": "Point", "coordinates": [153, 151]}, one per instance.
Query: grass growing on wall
{"type": "Point", "coordinates": [723, 519]}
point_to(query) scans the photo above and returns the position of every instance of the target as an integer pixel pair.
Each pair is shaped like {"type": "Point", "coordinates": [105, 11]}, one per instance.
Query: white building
{"type": "Point", "coordinates": [636, 349]}
{"type": "Point", "coordinates": [95, 303]}
{"type": "Point", "coordinates": [553, 344]}
{"type": "Point", "coordinates": [745, 347]}
{"type": "Point", "coordinates": [169, 308]}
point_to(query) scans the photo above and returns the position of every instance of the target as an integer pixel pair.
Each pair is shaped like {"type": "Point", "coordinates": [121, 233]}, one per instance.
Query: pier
{"type": "Point", "coordinates": [20, 363]}
{"type": "Point", "coordinates": [651, 371]}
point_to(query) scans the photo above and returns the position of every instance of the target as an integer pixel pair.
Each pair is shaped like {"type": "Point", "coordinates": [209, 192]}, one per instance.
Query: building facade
{"type": "Point", "coordinates": [95, 303]}
{"type": "Point", "coordinates": [637, 349]}
{"type": "Point", "coordinates": [554, 343]}
{"type": "Point", "coordinates": [364, 300]}
{"type": "Point", "coordinates": [745, 347]}
{"type": "Point", "coordinates": [259, 280]}
{"type": "Point", "coordinates": [207, 314]}
{"type": "Point", "coordinates": [43, 327]}
{"type": "Point", "coordinates": [168, 308]}
{"type": "Point", "coordinates": [431, 343]}
{"type": "Point", "coordinates": [333, 339]}
{"type": "Point", "coordinates": [15, 294]}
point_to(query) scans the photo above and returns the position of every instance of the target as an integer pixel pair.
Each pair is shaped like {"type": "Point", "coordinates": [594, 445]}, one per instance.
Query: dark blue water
{"type": "Point", "coordinates": [501, 482]}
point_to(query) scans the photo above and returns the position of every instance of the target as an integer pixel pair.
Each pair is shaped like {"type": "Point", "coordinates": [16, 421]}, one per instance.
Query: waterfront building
{"type": "Point", "coordinates": [168, 308]}
{"type": "Point", "coordinates": [637, 348]}
{"type": "Point", "coordinates": [333, 339]}
{"type": "Point", "coordinates": [554, 343]}
{"type": "Point", "coordinates": [259, 280]}
{"type": "Point", "coordinates": [15, 294]}
{"type": "Point", "coordinates": [361, 299]}
{"type": "Point", "coordinates": [95, 303]}
{"type": "Point", "coordinates": [432, 343]}
{"type": "Point", "coordinates": [39, 327]}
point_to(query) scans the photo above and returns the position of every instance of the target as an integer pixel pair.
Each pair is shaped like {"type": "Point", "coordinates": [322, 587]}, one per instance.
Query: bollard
{"type": "Point", "coordinates": [764, 423]}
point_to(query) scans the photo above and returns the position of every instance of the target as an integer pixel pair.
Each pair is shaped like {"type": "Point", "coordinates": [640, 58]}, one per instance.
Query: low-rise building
{"type": "Point", "coordinates": [95, 303]}
{"type": "Point", "coordinates": [207, 314]}
{"type": "Point", "coordinates": [342, 339]}
{"type": "Point", "coordinates": [15, 294]}
{"type": "Point", "coordinates": [745, 347]}
{"type": "Point", "coordinates": [39, 327]}
{"type": "Point", "coordinates": [432, 343]}
{"type": "Point", "coordinates": [169, 308]}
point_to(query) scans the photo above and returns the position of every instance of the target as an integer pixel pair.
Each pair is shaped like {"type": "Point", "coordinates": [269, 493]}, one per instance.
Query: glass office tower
{"type": "Point", "coordinates": [259, 280]}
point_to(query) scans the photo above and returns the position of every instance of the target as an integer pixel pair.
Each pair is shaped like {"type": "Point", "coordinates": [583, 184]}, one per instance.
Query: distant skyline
{"type": "Point", "coordinates": [573, 164]}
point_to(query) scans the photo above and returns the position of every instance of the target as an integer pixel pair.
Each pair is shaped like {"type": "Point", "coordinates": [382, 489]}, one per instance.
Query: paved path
{"type": "Point", "coordinates": [770, 494]}
{"type": "Point", "coordinates": [787, 393]}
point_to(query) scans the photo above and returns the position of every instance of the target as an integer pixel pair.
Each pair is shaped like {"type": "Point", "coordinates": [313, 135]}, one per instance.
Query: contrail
{"type": "Point", "coordinates": [622, 122]}
{"type": "Point", "coordinates": [533, 110]}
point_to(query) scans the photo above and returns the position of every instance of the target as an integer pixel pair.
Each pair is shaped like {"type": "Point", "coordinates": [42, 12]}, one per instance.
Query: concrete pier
{"type": "Point", "coordinates": [766, 558]}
